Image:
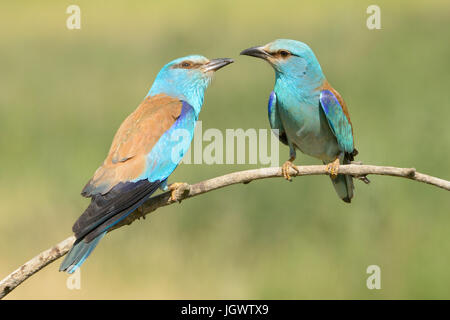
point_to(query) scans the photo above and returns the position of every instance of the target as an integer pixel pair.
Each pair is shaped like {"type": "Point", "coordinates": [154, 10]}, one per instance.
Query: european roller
{"type": "Point", "coordinates": [306, 112]}
{"type": "Point", "coordinates": [144, 151]}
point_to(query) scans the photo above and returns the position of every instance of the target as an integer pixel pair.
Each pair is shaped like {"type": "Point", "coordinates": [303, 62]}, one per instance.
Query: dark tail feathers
{"type": "Point", "coordinates": [343, 184]}
{"type": "Point", "coordinates": [79, 253]}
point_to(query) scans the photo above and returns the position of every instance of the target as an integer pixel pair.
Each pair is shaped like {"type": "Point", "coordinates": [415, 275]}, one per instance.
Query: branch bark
{"type": "Point", "coordinates": [188, 191]}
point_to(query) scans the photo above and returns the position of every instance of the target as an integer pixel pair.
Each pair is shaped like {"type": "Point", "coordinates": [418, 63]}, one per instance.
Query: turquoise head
{"type": "Point", "coordinates": [292, 61]}
{"type": "Point", "coordinates": [187, 78]}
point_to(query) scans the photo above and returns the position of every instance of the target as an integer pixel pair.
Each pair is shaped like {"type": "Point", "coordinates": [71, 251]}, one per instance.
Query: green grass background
{"type": "Point", "coordinates": [64, 93]}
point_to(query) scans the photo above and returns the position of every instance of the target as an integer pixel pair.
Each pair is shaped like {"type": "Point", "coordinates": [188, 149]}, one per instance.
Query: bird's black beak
{"type": "Point", "coordinates": [257, 52]}
{"type": "Point", "coordinates": [216, 64]}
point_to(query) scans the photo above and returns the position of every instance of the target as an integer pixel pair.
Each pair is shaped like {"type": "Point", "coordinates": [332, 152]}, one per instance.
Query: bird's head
{"type": "Point", "coordinates": [187, 78]}
{"type": "Point", "coordinates": [290, 58]}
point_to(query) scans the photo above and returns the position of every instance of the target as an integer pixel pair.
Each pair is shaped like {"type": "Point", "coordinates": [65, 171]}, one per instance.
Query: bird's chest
{"type": "Point", "coordinates": [306, 125]}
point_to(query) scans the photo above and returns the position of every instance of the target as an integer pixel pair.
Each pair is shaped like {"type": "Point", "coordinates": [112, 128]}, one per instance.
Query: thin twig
{"type": "Point", "coordinates": [188, 191]}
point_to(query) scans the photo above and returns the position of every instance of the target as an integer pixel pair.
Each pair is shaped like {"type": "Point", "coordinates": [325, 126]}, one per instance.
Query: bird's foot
{"type": "Point", "coordinates": [333, 168]}
{"type": "Point", "coordinates": [285, 169]}
{"type": "Point", "coordinates": [363, 178]}
{"type": "Point", "coordinates": [178, 191]}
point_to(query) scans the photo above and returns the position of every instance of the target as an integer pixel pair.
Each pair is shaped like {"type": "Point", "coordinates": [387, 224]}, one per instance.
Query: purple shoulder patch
{"type": "Point", "coordinates": [271, 98]}
{"type": "Point", "coordinates": [326, 98]}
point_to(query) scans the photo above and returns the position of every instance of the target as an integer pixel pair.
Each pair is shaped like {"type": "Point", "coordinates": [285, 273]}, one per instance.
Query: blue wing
{"type": "Point", "coordinates": [274, 119]}
{"type": "Point", "coordinates": [106, 210]}
{"type": "Point", "coordinates": [162, 160]}
{"type": "Point", "coordinates": [337, 120]}
{"type": "Point", "coordinates": [171, 147]}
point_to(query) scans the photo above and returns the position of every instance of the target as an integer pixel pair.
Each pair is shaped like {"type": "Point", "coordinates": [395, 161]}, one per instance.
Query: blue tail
{"type": "Point", "coordinates": [104, 212]}
{"type": "Point", "coordinates": [343, 184]}
{"type": "Point", "coordinates": [79, 253]}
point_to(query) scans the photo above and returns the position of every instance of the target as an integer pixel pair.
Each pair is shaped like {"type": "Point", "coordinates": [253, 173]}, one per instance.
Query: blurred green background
{"type": "Point", "coordinates": [63, 94]}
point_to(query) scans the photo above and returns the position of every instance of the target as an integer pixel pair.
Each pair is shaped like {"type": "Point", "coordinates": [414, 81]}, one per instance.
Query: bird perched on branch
{"type": "Point", "coordinates": [146, 149]}
{"type": "Point", "coordinates": [306, 112]}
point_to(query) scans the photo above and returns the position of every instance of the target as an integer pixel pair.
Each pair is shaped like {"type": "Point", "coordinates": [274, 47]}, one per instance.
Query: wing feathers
{"type": "Point", "coordinates": [338, 120]}
{"type": "Point", "coordinates": [274, 119]}
{"type": "Point", "coordinates": [121, 200]}
{"type": "Point", "coordinates": [135, 138]}
{"type": "Point", "coordinates": [327, 86]}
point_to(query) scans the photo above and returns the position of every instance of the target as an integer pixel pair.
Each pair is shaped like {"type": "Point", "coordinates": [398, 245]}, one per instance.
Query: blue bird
{"type": "Point", "coordinates": [306, 112]}
{"type": "Point", "coordinates": [146, 149]}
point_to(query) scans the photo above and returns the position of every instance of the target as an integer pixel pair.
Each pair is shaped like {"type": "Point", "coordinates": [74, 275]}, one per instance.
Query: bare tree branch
{"type": "Point", "coordinates": [188, 191]}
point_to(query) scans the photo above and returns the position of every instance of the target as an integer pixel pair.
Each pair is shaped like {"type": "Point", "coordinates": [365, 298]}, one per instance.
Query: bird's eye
{"type": "Point", "coordinates": [185, 64]}
{"type": "Point", "coordinates": [284, 53]}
